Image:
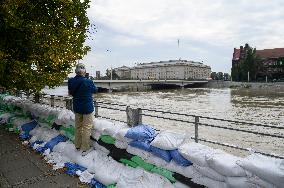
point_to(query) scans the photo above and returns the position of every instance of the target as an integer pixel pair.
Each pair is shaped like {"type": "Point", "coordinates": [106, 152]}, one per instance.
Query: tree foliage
{"type": "Point", "coordinates": [40, 41]}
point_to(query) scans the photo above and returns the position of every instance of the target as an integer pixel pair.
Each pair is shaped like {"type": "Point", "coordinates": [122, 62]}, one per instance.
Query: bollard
{"type": "Point", "coordinates": [96, 109]}
{"type": "Point", "coordinates": [196, 128]}
{"type": "Point", "coordinates": [69, 104]}
{"type": "Point", "coordinates": [134, 116]}
{"type": "Point", "coordinates": [52, 100]}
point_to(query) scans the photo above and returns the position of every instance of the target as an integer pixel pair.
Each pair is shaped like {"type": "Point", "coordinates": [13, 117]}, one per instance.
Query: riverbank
{"type": "Point", "coordinates": [279, 86]}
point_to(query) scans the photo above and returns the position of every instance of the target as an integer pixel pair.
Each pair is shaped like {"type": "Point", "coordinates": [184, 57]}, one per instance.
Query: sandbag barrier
{"type": "Point", "coordinates": [252, 171]}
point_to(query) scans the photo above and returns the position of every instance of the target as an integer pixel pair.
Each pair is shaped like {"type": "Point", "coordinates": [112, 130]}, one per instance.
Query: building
{"type": "Point", "coordinates": [172, 69]}
{"type": "Point", "coordinates": [123, 72]}
{"type": "Point", "coordinates": [272, 61]}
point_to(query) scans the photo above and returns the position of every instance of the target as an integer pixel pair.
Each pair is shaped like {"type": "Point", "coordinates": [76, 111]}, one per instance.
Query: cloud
{"type": "Point", "coordinates": [203, 25]}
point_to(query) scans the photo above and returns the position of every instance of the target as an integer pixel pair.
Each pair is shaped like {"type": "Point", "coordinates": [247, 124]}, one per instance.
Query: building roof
{"type": "Point", "coordinates": [265, 53]}
{"type": "Point", "coordinates": [170, 62]}
{"type": "Point", "coordinates": [270, 53]}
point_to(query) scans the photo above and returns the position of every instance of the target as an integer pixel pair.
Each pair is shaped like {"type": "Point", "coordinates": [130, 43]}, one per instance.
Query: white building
{"type": "Point", "coordinates": [172, 69]}
{"type": "Point", "coordinates": [123, 72]}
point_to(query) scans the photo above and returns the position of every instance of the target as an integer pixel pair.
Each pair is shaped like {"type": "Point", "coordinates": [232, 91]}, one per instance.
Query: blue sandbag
{"type": "Point", "coordinates": [141, 133]}
{"type": "Point", "coordinates": [164, 154]}
{"type": "Point", "coordinates": [24, 136]}
{"type": "Point", "coordinates": [141, 145]}
{"type": "Point", "coordinates": [179, 159]}
{"type": "Point", "coordinates": [74, 166]}
{"type": "Point", "coordinates": [54, 141]}
{"type": "Point", "coordinates": [27, 127]}
{"type": "Point", "coordinates": [96, 184]}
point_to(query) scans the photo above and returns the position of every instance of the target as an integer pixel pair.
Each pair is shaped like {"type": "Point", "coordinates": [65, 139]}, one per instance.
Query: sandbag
{"type": "Point", "coordinates": [141, 133]}
{"type": "Point", "coordinates": [259, 182]}
{"type": "Point", "coordinates": [164, 154]}
{"type": "Point", "coordinates": [141, 163]}
{"type": "Point", "coordinates": [168, 140]}
{"type": "Point", "coordinates": [209, 182]}
{"type": "Point", "coordinates": [121, 144]}
{"type": "Point", "coordinates": [153, 159]}
{"type": "Point", "coordinates": [96, 184]}
{"type": "Point", "coordinates": [54, 141]}
{"type": "Point", "coordinates": [225, 164]}
{"type": "Point", "coordinates": [144, 145]}
{"type": "Point", "coordinates": [135, 151]}
{"type": "Point", "coordinates": [27, 127]}
{"type": "Point", "coordinates": [195, 152]}
{"type": "Point", "coordinates": [209, 172]}
{"type": "Point", "coordinates": [179, 159]}
{"type": "Point", "coordinates": [164, 172]}
{"type": "Point", "coordinates": [107, 139]}
{"type": "Point", "coordinates": [239, 182]}
{"type": "Point", "coordinates": [267, 168]}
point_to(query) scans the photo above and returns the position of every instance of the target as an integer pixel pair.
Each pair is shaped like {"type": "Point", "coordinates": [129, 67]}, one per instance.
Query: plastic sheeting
{"type": "Point", "coordinates": [164, 154]}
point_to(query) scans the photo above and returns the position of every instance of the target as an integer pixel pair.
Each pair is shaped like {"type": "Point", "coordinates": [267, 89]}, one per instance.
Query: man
{"type": "Point", "coordinates": [82, 90]}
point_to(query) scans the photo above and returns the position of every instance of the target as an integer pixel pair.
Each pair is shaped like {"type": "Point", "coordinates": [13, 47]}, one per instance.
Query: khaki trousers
{"type": "Point", "coordinates": [83, 127]}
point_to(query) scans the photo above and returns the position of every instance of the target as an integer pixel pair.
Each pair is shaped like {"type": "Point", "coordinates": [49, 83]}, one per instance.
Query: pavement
{"type": "Point", "coordinates": [20, 166]}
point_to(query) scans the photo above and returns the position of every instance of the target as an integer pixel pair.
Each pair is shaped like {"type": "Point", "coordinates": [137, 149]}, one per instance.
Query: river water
{"type": "Point", "coordinates": [256, 106]}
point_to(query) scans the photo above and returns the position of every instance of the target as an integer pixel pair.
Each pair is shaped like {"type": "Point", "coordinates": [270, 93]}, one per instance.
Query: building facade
{"type": "Point", "coordinates": [172, 69]}
{"type": "Point", "coordinates": [272, 61]}
{"type": "Point", "coordinates": [123, 72]}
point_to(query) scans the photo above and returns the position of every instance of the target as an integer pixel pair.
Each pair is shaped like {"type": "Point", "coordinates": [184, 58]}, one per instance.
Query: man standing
{"type": "Point", "coordinates": [82, 90]}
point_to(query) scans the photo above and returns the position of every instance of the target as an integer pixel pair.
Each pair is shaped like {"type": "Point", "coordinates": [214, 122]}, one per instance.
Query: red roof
{"type": "Point", "coordinates": [266, 53]}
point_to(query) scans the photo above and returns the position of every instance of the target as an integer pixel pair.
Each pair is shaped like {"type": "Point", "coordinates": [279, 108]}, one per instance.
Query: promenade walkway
{"type": "Point", "coordinates": [20, 166]}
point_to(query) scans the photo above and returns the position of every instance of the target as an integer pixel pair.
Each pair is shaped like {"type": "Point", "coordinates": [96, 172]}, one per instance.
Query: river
{"type": "Point", "coordinates": [256, 106]}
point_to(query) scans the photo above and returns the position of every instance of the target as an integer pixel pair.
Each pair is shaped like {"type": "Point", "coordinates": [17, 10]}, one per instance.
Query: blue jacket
{"type": "Point", "coordinates": [82, 90]}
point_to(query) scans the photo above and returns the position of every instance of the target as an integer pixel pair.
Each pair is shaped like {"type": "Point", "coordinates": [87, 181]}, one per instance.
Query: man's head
{"type": "Point", "coordinates": [80, 69]}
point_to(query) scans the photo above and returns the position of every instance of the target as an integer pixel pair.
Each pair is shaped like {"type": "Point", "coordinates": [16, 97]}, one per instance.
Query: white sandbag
{"type": "Point", "coordinates": [267, 168]}
{"type": "Point", "coordinates": [67, 149]}
{"type": "Point", "coordinates": [195, 152]}
{"type": "Point", "coordinates": [239, 182]}
{"type": "Point", "coordinates": [191, 172]}
{"type": "Point", "coordinates": [168, 140]}
{"type": "Point", "coordinates": [101, 148]}
{"type": "Point", "coordinates": [209, 182]}
{"type": "Point", "coordinates": [180, 185]}
{"type": "Point", "coordinates": [135, 151]}
{"type": "Point", "coordinates": [101, 124]}
{"type": "Point", "coordinates": [107, 171]}
{"type": "Point", "coordinates": [121, 144]}
{"type": "Point", "coordinates": [156, 161]}
{"type": "Point", "coordinates": [174, 167]}
{"type": "Point", "coordinates": [96, 134]}
{"type": "Point", "coordinates": [259, 182]}
{"type": "Point", "coordinates": [142, 179]}
{"type": "Point", "coordinates": [120, 135]}
{"type": "Point", "coordinates": [209, 172]}
{"type": "Point", "coordinates": [114, 129]}
{"type": "Point", "coordinates": [225, 164]}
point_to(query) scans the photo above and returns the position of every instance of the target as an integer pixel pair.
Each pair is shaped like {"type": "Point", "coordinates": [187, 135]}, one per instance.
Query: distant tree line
{"type": "Point", "coordinates": [220, 76]}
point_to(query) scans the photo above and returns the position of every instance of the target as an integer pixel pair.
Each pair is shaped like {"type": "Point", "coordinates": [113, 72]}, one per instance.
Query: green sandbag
{"type": "Point", "coordinates": [68, 130]}
{"type": "Point", "coordinates": [164, 172]}
{"type": "Point", "coordinates": [140, 162]}
{"type": "Point", "coordinates": [51, 118]}
{"type": "Point", "coordinates": [107, 139]}
{"type": "Point", "coordinates": [111, 186]}
{"type": "Point", "coordinates": [128, 163]}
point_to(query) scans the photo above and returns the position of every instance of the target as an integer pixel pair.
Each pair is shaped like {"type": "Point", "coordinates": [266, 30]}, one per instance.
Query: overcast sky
{"type": "Point", "coordinates": [131, 31]}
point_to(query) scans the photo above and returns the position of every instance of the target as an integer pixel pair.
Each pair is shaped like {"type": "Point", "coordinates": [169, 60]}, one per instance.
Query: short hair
{"type": "Point", "coordinates": [80, 69]}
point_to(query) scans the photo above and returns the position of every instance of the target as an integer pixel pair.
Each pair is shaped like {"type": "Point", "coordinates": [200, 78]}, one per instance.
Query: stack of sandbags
{"type": "Point", "coordinates": [264, 171]}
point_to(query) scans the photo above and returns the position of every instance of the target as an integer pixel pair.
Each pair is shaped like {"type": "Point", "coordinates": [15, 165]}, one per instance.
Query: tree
{"type": "Point", "coordinates": [41, 41]}
{"type": "Point", "coordinates": [114, 76]}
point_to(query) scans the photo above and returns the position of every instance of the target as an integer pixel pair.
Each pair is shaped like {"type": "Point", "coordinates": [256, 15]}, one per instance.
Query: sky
{"type": "Point", "coordinates": [141, 31]}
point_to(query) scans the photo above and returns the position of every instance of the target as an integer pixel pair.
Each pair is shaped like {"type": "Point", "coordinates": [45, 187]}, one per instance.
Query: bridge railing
{"type": "Point", "coordinates": [133, 116]}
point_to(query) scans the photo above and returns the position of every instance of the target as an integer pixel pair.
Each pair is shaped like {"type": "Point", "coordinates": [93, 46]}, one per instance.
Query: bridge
{"type": "Point", "coordinates": [137, 85]}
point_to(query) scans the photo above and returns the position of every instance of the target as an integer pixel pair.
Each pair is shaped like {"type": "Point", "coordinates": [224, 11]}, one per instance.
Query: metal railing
{"type": "Point", "coordinates": [134, 117]}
